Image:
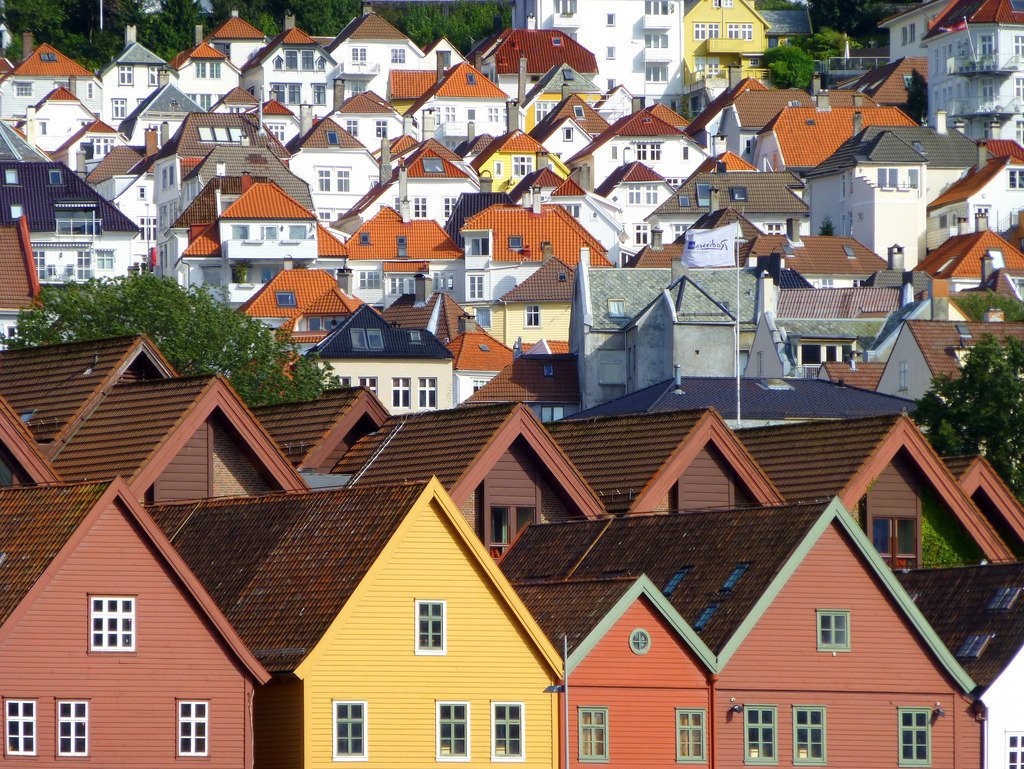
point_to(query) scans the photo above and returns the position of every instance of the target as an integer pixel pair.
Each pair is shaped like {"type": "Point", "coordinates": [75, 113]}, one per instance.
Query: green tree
{"type": "Point", "coordinates": [789, 67]}
{"type": "Point", "coordinates": [197, 332]}
{"type": "Point", "coordinates": [973, 304]}
{"type": "Point", "coordinates": [982, 410]}
{"type": "Point", "coordinates": [827, 228]}
{"type": "Point", "coordinates": [917, 97]}
{"type": "Point", "coordinates": [824, 44]}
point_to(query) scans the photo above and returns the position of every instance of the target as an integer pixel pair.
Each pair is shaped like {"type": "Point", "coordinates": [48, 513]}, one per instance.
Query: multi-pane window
{"type": "Point", "coordinates": [1016, 179]}
{"type": "Point", "coordinates": [323, 176]}
{"type": "Point", "coordinates": [476, 286]}
{"type": "Point", "coordinates": [647, 150]}
{"type": "Point", "coordinates": [593, 734]}
{"type": "Point", "coordinates": [522, 165]}
{"type": "Point", "coordinates": [119, 108]}
{"type": "Point", "coordinates": [452, 731]}
{"type": "Point", "coordinates": [759, 734]}
{"type": "Point", "coordinates": [494, 114]}
{"type": "Point", "coordinates": [21, 727]}
{"type": "Point", "coordinates": [657, 7]}
{"type": "Point", "coordinates": [401, 388]}
{"type": "Point", "coordinates": [380, 129]}
{"type": "Point", "coordinates": [148, 224]}
{"type": "Point", "coordinates": [641, 233]}
{"type": "Point", "coordinates": [359, 56]}
{"type": "Point", "coordinates": [369, 382]}
{"type": "Point", "coordinates": [532, 315]}
{"type": "Point", "coordinates": [343, 179]}
{"type": "Point", "coordinates": [349, 731]}
{"type": "Point", "coordinates": [915, 736]}
{"type": "Point", "coordinates": [193, 728]}
{"type": "Point", "coordinates": [125, 74]}
{"type": "Point", "coordinates": [808, 735]}
{"type": "Point", "coordinates": [105, 259]}
{"type": "Point", "coordinates": [368, 279]}
{"type": "Point", "coordinates": [431, 633]}
{"type": "Point", "coordinates": [428, 392]}
{"type": "Point", "coordinates": [1015, 751]}
{"type": "Point", "coordinates": [740, 31]}
{"type": "Point", "coordinates": [398, 56]}
{"type": "Point", "coordinates": [319, 93]}
{"type": "Point", "coordinates": [419, 208]}
{"type": "Point", "coordinates": [72, 728]}
{"type": "Point", "coordinates": [112, 623]}
{"type": "Point", "coordinates": [655, 40]}
{"type": "Point", "coordinates": [833, 630]}
{"type": "Point", "coordinates": [449, 206]}
{"type": "Point", "coordinates": [703, 31]}
{"type": "Point", "coordinates": [23, 89]}
{"type": "Point", "coordinates": [352, 126]}
{"type": "Point", "coordinates": [895, 539]}
{"type": "Point", "coordinates": [507, 731]}
{"type": "Point", "coordinates": [888, 177]}
{"type": "Point", "coordinates": [690, 741]}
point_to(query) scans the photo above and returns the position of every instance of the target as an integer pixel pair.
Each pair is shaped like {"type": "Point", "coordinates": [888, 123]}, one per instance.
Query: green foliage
{"type": "Point", "coordinates": [463, 23]}
{"type": "Point", "coordinates": [973, 304]}
{"type": "Point", "coordinates": [944, 541]}
{"type": "Point", "coordinates": [825, 43]}
{"type": "Point", "coordinates": [778, 5]}
{"type": "Point", "coordinates": [827, 228]}
{"type": "Point", "coordinates": [857, 18]}
{"type": "Point", "coordinates": [197, 332]}
{"type": "Point", "coordinates": [982, 410]}
{"type": "Point", "coordinates": [917, 97]}
{"type": "Point", "coordinates": [789, 67]}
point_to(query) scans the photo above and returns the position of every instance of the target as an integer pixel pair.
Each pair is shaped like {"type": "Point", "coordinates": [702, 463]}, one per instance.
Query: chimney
{"type": "Point", "coordinates": [987, 267]}
{"type": "Point", "coordinates": [677, 375]}
{"type": "Point", "coordinates": [715, 199]}
{"type": "Point", "coordinates": [163, 77]}
{"type": "Point", "coordinates": [288, 263]}
{"type": "Point", "coordinates": [407, 125]}
{"type": "Point", "coordinates": [344, 278]}
{"type": "Point", "coordinates": [565, 87]}
{"type": "Point", "coordinates": [80, 162]}
{"type": "Point", "coordinates": [339, 93]}
{"type": "Point", "coordinates": [543, 160]}
{"type": "Point", "coordinates": [403, 192]}
{"type": "Point", "coordinates": [858, 122]}
{"type": "Point", "coordinates": [384, 170]}
{"type": "Point", "coordinates": [165, 133]}
{"type": "Point", "coordinates": [980, 222]}
{"type": "Point", "coordinates": [521, 93]}
{"type": "Point", "coordinates": [470, 130]}
{"type": "Point", "coordinates": [486, 183]}
{"type": "Point", "coordinates": [657, 238]}
{"type": "Point", "coordinates": [429, 124]}
{"type": "Point", "coordinates": [735, 75]}
{"type": "Point", "coordinates": [31, 125]}
{"type": "Point", "coordinates": [305, 118]}
{"type": "Point", "coordinates": [721, 167]}
{"type": "Point", "coordinates": [547, 250]}
{"type": "Point", "coordinates": [637, 104]}
{"type": "Point", "coordinates": [821, 101]}
{"type": "Point", "coordinates": [771, 264]}
{"type": "Point", "coordinates": [961, 225]}
{"type": "Point", "coordinates": [939, 293]}
{"type": "Point", "coordinates": [289, 21]}
{"type": "Point", "coordinates": [511, 116]}
{"type": "Point", "coordinates": [27, 45]}
{"type": "Point", "coordinates": [152, 145]}
{"type": "Point", "coordinates": [536, 200]}
{"type": "Point", "coordinates": [467, 324]}
{"type": "Point", "coordinates": [222, 168]}
{"type": "Point", "coordinates": [767, 291]}
{"type": "Point", "coordinates": [679, 270]}
{"type": "Point", "coordinates": [793, 231]}
{"type": "Point", "coordinates": [982, 155]}
{"type": "Point", "coordinates": [858, 100]}
{"type": "Point", "coordinates": [895, 257]}
{"type": "Point", "coordinates": [940, 121]}
{"type": "Point", "coordinates": [130, 33]}
{"type": "Point", "coordinates": [440, 70]}
{"type": "Point", "coordinates": [199, 33]}
{"type": "Point", "coordinates": [994, 315]}
{"type": "Point", "coordinates": [959, 124]}
{"type": "Point", "coordinates": [246, 181]}
{"type": "Point", "coordinates": [234, 13]}
{"type": "Point", "coordinates": [424, 287]}
{"type": "Point", "coordinates": [815, 83]}
{"type": "Point", "coordinates": [907, 291]}
{"type": "Point", "coordinates": [717, 143]}
{"type": "Point", "coordinates": [585, 256]}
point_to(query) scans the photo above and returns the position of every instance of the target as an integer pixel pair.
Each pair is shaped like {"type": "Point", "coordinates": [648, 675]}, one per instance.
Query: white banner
{"type": "Point", "coordinates": [711, 248]}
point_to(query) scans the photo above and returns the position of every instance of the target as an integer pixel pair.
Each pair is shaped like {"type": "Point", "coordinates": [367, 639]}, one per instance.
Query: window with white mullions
{"type": "Point", "coordinates": [72, 728]}
{"type": "Point", "coordinates": [193, 728]}
{"type": "Point", "coordinates": [112, 624]}
{"type": "Point", "coordinates": [21, 727]}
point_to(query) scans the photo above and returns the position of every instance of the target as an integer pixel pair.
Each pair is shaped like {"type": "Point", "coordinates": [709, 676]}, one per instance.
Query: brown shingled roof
{"type": "Point", "coordinates": [821, 254]}
{"type": "Point", "coordinates": [552, 282]}
{"type": "Point", "coordinates": [19, 283]}
{"type": "Point", "coordinates": [118, 162]}
{"type": "Point", "coordinates": [940, 341]}
{"type": "Point", "coordinates": [866, 376]}
{"type": "Point", "coordinates": [405, 312]}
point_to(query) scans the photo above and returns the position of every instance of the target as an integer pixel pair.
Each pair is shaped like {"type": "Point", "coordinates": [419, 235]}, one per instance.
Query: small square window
{"type": "Point", "coordinates": [617, 308]}
{"type": "Point", "coordinates": [285, 299]}
{"type": "Point", "coordinates": [364, 238]}
{"type": "Point", "coordinates": [11, 176]}
{"type": "Point", "coordinates": [833, 630]}
{"type": "Point", "coordinates": [431, 627]}
{"type": "Point", "coordinates": [55, 176]}
{"type": "Point", "coordinates": [112, 624]}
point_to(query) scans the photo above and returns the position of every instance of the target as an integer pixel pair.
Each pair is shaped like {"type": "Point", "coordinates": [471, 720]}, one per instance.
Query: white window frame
{"type": "Point", "coordinates": [192, 720]}
{"type": "Point", "coordinates": [427, 392]}
{"type": "Point", "coordinates": [437, 732]}
{"type": "Point", "coordinates": [21, 720]}
{"type": "Point", "coordinates": [521, 758]}
{"type": "Point", "coordinates": [531, 316]}
{"type": "Point", "coordinates": [398, 390]}
{"type": "Point", "coordinates": [365, 755]}
{"type": "Point", "coordinates": [105, 614]}
{"type": "Point", "coordinates": [73, 719]}
{"type": "Point", "coordinates": [416, 629]}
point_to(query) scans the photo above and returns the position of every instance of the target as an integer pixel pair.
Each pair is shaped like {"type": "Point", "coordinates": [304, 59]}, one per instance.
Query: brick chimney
{"type": "Point", "coordinates": [246, 181]}
{"type": "Point", "coordinates": [521, 93]}
{"type": "Point", "coordinates": [152, 143]}
{"type": "Point", "coordinates": [344, 278]}
{"type": "Point", "coordinates": [940, 121]}
{"type": "Point", "coordinates": [657, 238]}
{"type": "Point", "coordinates": [28, 45]}
{"type": "Point", "coordinates": [486, 183]}
{"type": "Point", "coordinates": [547, 250]}
{"type": "Point", "coordinates": [982, 155]}
{"type": "Point", "coordinates": [961, 225]}
{"type": "Point", "coordinates": [511, 116]}
{"type": "Point", "coordinates": [384, 166]}
{"type": "Point", "coordinates": [339, 93]}
{"type": "Point", "coordinates": [821, 101]}
{"type": "Point", "coordinates": [793, 231]}
{"type": "Point", "coordinates": [199, 33]}
{"type": "Point", "coordinates": [858, 122]}
{"type": "Point", "coordinates": [980, 222]}
{"type": "Point", "coordinates": [440, 69]}
{"type": "Point", "coordinates": [987, 268]}
{"type": "Point", "coordinates": [130, 34]}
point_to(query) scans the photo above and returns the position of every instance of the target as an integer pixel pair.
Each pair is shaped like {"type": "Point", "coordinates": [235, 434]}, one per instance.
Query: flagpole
{"type": "Point", "coordinates": [739, 415]}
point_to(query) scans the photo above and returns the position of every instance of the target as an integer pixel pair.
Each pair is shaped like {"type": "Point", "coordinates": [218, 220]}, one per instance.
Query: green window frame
{"type": "Point", "coordinates": [760, 734]}
{"type": "Point", "coordinates": [507, 731]}
{"type": "Point", "coordinates": [915, 733]}
{"type": "Point", "coordinates": [833, 630]}
{"type": "Point", "coordinates": [453, 731]}
{"type": "Point", "coordinates": [691, 739]}
{"type": "Point", "coordinates": [809, 737]}
{"type": "Point", "coordinates": [593, 724]}
{"type": "Point", "coordinates": [350, 731]}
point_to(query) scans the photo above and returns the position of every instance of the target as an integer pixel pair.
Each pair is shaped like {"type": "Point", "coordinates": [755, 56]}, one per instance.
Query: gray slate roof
{"type": "Point", "coordinates": [134, 53]}
{"type": "Point", "coordinates": [165, 101]}
{"type": "Point", "coordinates": [768, 192]}
{"type": "Point", "coordinates": [637, 287]}
{"type": "Point", "coordinates": [791, 22]}
{"type": "Point", "coordinates": [551, 82]}
{"type": "Point", "coordinates": [901, 144]}
{"type": "Point", "coordinates": [398, 342]}
{"type": "Point", "coordinates": [708, 295]}
{"type": "Point", "coordinates": [258, 161]}
{"type": "Point", "coordinates": [13, 147]}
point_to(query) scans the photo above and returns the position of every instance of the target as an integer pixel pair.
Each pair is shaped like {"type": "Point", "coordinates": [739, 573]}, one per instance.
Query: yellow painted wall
{"type": "Point", "coordinates": [386, 369]}
{"type": "Point", "coordinates": [505, 181]}
{"type": "Point", "coordinates": [728, 52]}
{"type": "Point", "coordinates": [368, 654]}
{"type": "Point", "coordinates": [508, 323]}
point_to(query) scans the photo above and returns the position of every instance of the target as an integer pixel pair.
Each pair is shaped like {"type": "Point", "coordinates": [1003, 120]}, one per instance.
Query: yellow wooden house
{"type": "Point", "coordinates": [558, 83]}
{"type": "Point", "coordinates": [721, 34]}
{"type": "Point", "coordinates": [512, 156]}
{"type": "Point", "coordinates": [392, 637]}
{"type": "Point", "coordinates": [538, 308]}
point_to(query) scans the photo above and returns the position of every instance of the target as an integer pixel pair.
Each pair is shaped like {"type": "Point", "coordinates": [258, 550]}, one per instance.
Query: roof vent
{"type": "Point", "coordinates": [562, 277]}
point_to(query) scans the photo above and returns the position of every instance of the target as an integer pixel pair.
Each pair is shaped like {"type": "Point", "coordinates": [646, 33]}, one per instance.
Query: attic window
{"type": "Point", "coordinates": [973, 646]}
{"type": "Point", "coordinates": [549, 369]}
{"type": "Point", "coordinates": [367, 339]}
{"type": "Point", "coordinates": [963, 331]}
{"type": "Point", "coordinates": [674, 581]}
{"type": "Point", "coordinates": [1003, 598]}
{"type": "Point", "coordinates": [364, 238]}
{"type": "Point", "coordinates": [617, 308]}
{"type": "Point", "coordinates": [810, 121]}
{"type": "Point", "coordinates": [738, 194]}
{"type": "Point", "coordinates": [734, 577]}
{"type": "Point", "coordinates": [703, 195]}
{"type": "Point", "coordinates": [515, 242]}
{"type": "Point", "coordinates": [684, 201]}
{"type": "Point", "coordinates": [562, 277]}
{"type": "Point", "coordinates": [471, 78]}
{"type": "Point", "coordinates": [332, 138]}
{"type": "Point", "coordinates": [484, 348]}
{"type": "Point", "coordinates": [556, 41]}
{"type": "Point", "coordinates": [415, 338]}
{"type": "Point", "coordinates": [848, 250]}
{"type": "Point", "coordinates": [794, 103]}
{"type": "Point", "coordinates": [48, 57]}
{"type": "Point", "coordinates": [577, 111]}
{"type": "Point", "coordinates": [3, 557]}
{"type": "Point", "coordinates": [705, 617]}
{"type": "Point", "coordinates": [11, 176]}
{"type": "Point", "coordinates": [402, 246]}
{"type": "Point", "coordinates": [433, 166]}
{"type": "Point", "coordinates": [285, 299]}
{"type": "Point", "coordinates": [55, 176]}
{"type": "Point", "coordinates": [568, 75]}
{"type": "Point", "coordinates": [26, 416]}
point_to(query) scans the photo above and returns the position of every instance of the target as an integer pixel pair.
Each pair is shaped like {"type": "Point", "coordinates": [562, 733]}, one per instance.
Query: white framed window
{"type": "Point", "coordinates": [125, 74]}
{"type": "Point", "coordinates": [111, 621]}
{"type": "Point", "coordinates": [449, 206]}
{"type": "Point", "coordinates": [532, 316]}
{"type": "Point", "coordinates": [193, 728]}
{"type": "Point", "coordinates": [105, 259]}
{"type": "Point", "coordinates": [453, 731]}
{"type": "Point", "coordinates": [476, 287]}
{"type": "Point", "coordinates": [522, 165]}
{"type": "Point", "coordinates": [1016, 179]}
{"type": "Point", "coordinates": [323, 176]}
{"type": "Point", "coordinates": [23, 89]}
{"type": "Point", "coordinates": [428, 392]}
{"type": "Point", "coordinates": [641, 233]}
{"type": "Point", "coordinates": [343, 180]}
{"type": "Point", "coordinates": [21, 727]}
{"type": "Point", "coordinates": [609, 20]}
{"type": "Point", "coordinates": [567, 134]}
{"type": "Point", "coordinates": [647, 151]}
{"type": "Point", "coordinates": [350, 731]}
{"type": "Point", "coordinates": [72, 728]}
{"type": "Point", "coordinates": [507, 729]}
{"type": "Point", "coordinates": [398, 56]}
{"type": "Point", "coordinates": [655, 40]}
{"type": "Point", "coordinates": [352, 126]}
{"type": "Point", "coordinates": [432, 627]}
{"type": "Point", "coordinates": [419, 208]}
{"type": "Point", "coordinates": [359, 56]}
{"type": "Point", "coordinates": [401, 388]}
{"type": "Point", "coordinates": [369, 382]}
{"type": "Point", "coordinates": [499, 169]}
{"type": "Point", "coordinates": [119, 108]}
{"type": "Point", "coordinates": [483, 316]}
{"type": "Point", "coordinates": [1015, 750]}
{"type": "Point", "coordinates": [380, 129]}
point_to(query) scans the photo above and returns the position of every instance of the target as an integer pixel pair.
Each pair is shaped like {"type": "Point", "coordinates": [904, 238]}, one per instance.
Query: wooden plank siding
{"type": "Point", "coordinates": [278, 724]}
{"type": "Point", "coordinates": [189, 475]}
{"type": "Point", "coordinates": [709, 482]}
{"type": "Point", "coordinates": [132, 695]}
{"type": "Point", "coordinates": [641, 692]}
{"type": "Point", "coordinates": [234, 471]}
{"type": "Point", "coordinates": [888, 667]}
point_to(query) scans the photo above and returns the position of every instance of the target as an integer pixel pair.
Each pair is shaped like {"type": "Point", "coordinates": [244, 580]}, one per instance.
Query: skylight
{"type": "Point", "coordinates": [549, 369]}
{"type": "Point", "coordinates": [48, 57]}
{"type": "Point", "coordinates": [738, 194]}
{"type": "Point", "coordinates": [433, 166]}
{"type": "Point", "coordinates": [285, 298]}
{"type": "Point", "coordinates": [471, 78]}
{"type": "Point", "coordinates": [485, 348]}
{"type": "Point", "coordinates": [375, 339]}
{"type": "Point", "coordinates": [568, 74]}
{"type": "Point", "coordinates": [26, 416]}
{"type": "Point", "coordinates": [963, 331]}
{"type": "Point", "coordinates": [556, 41]}
{"type": "Point", "coordinates": [734, 577]}
{"type": "Point", "coordinates": [415, 338]}
{"type": "Point", "coordinates": [675, 580]}
{"type": "Point", "coordinates": [1004, 597]}
{"type": "Point", "coordinates": [364, 238]}
{"type": "Point", "coordinates": [515, 242]}
{"type": "Point", "coordinates": [705, 617]}
{"type": "Point", "coordinates": [973, 646]}
{"type": "Point", "coordinates": [577, 111]}
{"type": "Point", "coordinates": [332, 137]}
{"type": "Point", "coordinates": [848, 250]}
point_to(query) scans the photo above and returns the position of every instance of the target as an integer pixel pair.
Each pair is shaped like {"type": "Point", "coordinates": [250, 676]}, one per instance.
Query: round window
{"type": "Point", "coordinates": [640, 641]}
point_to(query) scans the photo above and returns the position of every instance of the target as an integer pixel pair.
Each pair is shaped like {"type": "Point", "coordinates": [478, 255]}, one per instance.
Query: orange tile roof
{"type": "Point", "coordinates": [425, 239]}
{"type": "Point", "coordinates": [60, 93]}
{"type": "Point", "coordinates": [265, 200]}
{"type": "Point", "coordinates": [309, 288]}
{"type": "Point", "coordinates": [415, 169]}
{"type": "Point", "coordinates": [973, 182]}
{"type": "Point", "coordinates": [960, 256]}
{"type": "Point", "coordinates": [400, 145]}
{"type": "Point", "coordinates": [732, 162]}
{"type": "Point", "coordinates": [207, 242]}
{"type": "Point", "coordinates": [410, 83]}
{"type": "Point", "coordinates": [553, 224]}
{"type": "Point", "coordinates": [479, 351]}
{"type": "Point", "coordinates": [1003, 147]}
{"type": "Point", "coordinates": [327, 244]}
{"type": "Point", "coordinates": [456, 85]}
{"type": "Point", "coordinates": [866, 376]}
{"type": "Point", "coordinates": [64, 66]}
{"type": "Point", "coordinates": [525, 380]}
{"type": "Point", "coordinates": [807, 136]}
{"type": "Point", "coordinates": [568, 189]}
{"type": "Point", "coordinates": [274, 107]}
{"type": "Point", "coordinates": [235, 28]}
{"type": "Point", "coordinates": [405, 267]}
{"type": "Point", "coordinates": [201, 51]}
{"type": "Point", "coordinates": [669, 116]}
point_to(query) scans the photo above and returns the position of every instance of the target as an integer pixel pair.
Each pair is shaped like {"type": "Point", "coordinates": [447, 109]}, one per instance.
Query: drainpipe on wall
{"type": "Point", "coordinates": [712, 729]}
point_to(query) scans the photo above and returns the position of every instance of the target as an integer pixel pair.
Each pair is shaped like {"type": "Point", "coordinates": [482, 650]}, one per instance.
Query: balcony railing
{"type": "Point", "coordinates": [989, 64]}
{"type": "Point", "coordinates": [658, 21]}
{"type": "Point", "coordinates": [568, 20]}
{"type": "Point", "coordinates": [982, 107]}
{"type": "Point", "coordinates": [360, 68]}
{"type": "Point", "coordinates": [659, 55]}
{"type": "Point", "coordinates": [79, 226]}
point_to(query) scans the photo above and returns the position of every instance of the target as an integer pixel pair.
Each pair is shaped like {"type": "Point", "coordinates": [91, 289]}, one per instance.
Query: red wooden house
{"type": "Point", "coordinates": [111, 652]}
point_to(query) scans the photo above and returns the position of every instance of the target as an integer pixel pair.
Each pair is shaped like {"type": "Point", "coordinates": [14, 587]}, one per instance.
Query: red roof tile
{"type": "Point", "coordinates": [201, 51]}
{"type": "Point", "coordinates": [63, 66]}
{"type": "Point", "coordinates": [463, 81]}
{"type": "Point", "coordinates": [866, 376]}
{"type": "Point", "coordinates": [732, 162]}
{"type": "Point", "coordinates": [309, 289]}
{"type": "Point", "coordinates": [479, 351]}
{"type": "Point", "coordinates": [410, 83]}
{"type": "Point", "coordinates": [553, 224]}
{"type": "Point", "coordinates": [235, 28]}
{"type": "Point", "coordinates": [265, 200]}
{"type": "Point", "coordinates": [807, 135]}
{"type": "Point", "coordinates": [532, 379]}
{"type": "Point", "coordinates": [973, 182]}
{"type": "Point", "coordinates": [960, 256]}
{"type": "Point", "coordinates": [425, 239]}
{"type": "Point", "coordinates": [540, 49]}
{"type": "Point", "coordinates": [1004, 147]}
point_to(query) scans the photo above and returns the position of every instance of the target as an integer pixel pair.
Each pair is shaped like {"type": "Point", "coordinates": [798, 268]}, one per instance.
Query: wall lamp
{"type": "Point", "coordinates": [737, 708]}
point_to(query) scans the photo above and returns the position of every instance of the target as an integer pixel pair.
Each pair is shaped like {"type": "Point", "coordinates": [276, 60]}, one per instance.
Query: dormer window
{"type": "Point", "coordinates": [402, 246]}
{"type": "Point", "coordinates": [515, 242]}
